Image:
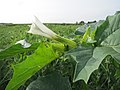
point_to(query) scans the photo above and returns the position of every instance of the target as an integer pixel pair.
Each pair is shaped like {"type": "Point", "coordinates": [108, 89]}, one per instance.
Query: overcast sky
{"type": "Point", "coordinates": [22, 11]}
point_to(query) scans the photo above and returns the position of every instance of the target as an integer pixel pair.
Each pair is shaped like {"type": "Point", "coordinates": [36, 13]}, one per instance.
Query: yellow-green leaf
{"type": "Point", "coordinates": [24, 70]}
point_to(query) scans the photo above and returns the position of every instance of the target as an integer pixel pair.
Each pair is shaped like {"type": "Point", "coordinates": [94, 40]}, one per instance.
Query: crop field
{"type": "Point", "coordinates": [60, 56]}
{"type": "Point", "coordinates": [11, 33]}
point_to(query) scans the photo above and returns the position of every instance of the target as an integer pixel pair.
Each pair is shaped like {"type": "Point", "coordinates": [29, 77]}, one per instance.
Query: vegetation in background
{"type": "Point", "coordinates": [11, 33]}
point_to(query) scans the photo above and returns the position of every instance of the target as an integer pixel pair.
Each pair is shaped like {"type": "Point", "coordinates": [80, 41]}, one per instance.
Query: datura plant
{"type": "Point", "coordinates": [40, 29]}
{"type": "Point", "coordinates": [98, 44]}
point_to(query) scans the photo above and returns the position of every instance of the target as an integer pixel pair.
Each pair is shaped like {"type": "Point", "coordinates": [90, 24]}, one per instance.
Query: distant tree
{"type": "Point", "coordinates": [76, 23]}
{"type": "Point", "coordinates": [81, 22]}
{"type": "Point", "coordinates": [91, 22]}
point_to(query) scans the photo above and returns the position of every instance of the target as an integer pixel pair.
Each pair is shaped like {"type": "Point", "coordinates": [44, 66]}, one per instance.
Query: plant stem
{"type": "Point", "coordinates": [66, 41]}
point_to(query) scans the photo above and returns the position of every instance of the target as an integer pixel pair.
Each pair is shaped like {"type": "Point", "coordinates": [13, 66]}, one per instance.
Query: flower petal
{"type": "Point", "coordinates": [23, 43]}
{"type": "Point", "coordinates": [43, 28]}
{"type": "Point", "coordinates": [35, 30]}
{"type": "Point", "coordinates": [38, 28]}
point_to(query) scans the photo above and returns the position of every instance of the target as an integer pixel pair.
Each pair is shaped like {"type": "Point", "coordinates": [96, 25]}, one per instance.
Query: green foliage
{"type": "Point", "coordinates": [108, 33]}
{"type": "Point", "coordinates": [93, 26]}
{"type": "Point", "coordinates": [66, 30]}
{"type": "Point", "coordinates": [54, 81]}
{"type": "Point", "coordinates": [16, 49]}
{"type": "Point", "coordinates": [31, 65]}
{"type": "Point", "coordinates": [93, 64]}
{"type": "Point", "coordinates": [86, 35]}
{"type": "Point", "coordinates": [9, 34]}
{"type": "Point", "coordinates": [18, 53]}
{"type": "Point", "coordinates": [88, 59]}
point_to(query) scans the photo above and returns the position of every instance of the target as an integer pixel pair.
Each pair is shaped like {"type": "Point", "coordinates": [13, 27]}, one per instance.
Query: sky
{"type": "Point", "coordinates": [56, 11]}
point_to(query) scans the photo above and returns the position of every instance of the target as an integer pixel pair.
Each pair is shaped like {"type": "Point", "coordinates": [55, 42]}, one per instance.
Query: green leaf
{"type": "Point", "coordinates": [88, 59]}
{"type": "Point", "coordinates": [24, 70]}
{"type": "Point", "coordinates": [86, 62]}
{"type": "Point", "coordinates": [16, 49]}
{"type": "Point", "coordinates": [86, 35]}
{"type": "Point", "coordinates": [81, 56]}
{"type": "Point", "coordinates": [54, 81]}
{"type": "Point", "coordinates": [108, 34]}
{"type": "Point", "coordinates": [82, 29]}
{"type": "Point", "coordinates": [117, 74]}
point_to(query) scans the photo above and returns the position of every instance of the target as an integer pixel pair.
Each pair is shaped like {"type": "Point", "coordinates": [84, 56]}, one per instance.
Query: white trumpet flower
{"type": "Point", "coordinates": [38, 28]}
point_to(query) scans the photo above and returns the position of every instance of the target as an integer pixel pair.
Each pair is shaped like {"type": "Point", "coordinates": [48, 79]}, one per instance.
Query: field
{"type": "Point", "coordinates": [68, 59]}
{"type": "Point", "coordinates": [11, 33]}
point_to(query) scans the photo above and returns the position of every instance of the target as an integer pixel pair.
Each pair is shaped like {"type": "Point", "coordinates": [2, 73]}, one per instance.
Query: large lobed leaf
{"type": "Point", "coordinates": [24, 70]}
{"type": "Point", "coordinates": [108, 34]}
{"type": "Point", "coordinates": [54, 81]}
{"type": "Point", "coordinates": [88, 59]}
